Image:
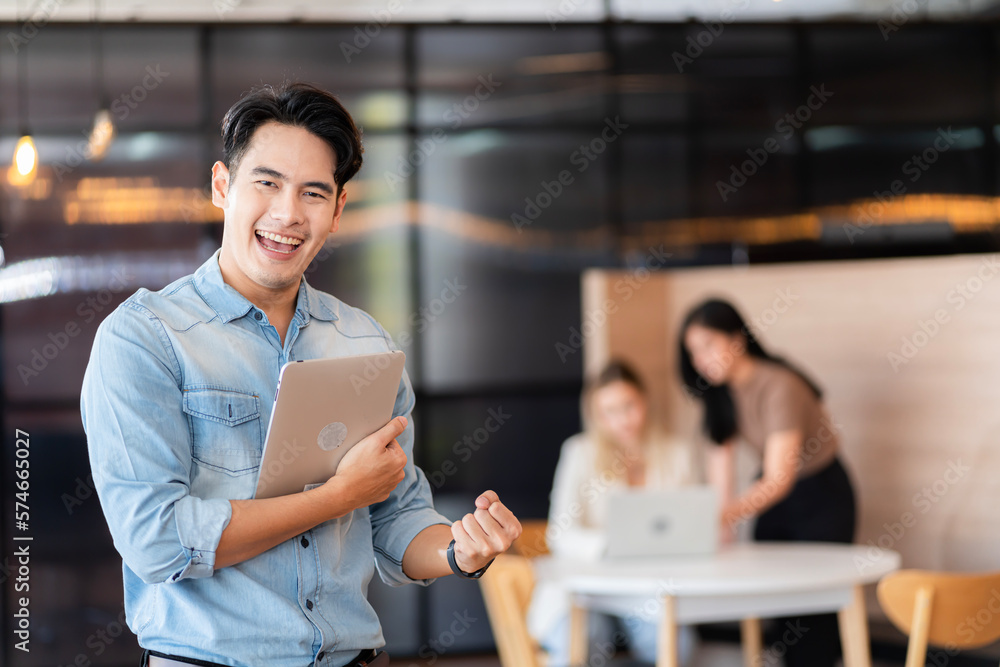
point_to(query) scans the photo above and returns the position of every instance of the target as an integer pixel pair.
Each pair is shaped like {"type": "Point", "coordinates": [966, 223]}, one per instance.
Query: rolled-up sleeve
{"type": "Point", "coordinates": [408, 510]}
{"type": "Point", "coordinates": [139, 444]}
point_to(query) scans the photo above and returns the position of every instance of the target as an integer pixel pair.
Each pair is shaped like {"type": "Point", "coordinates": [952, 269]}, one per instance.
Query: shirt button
{"type": "Point", "coordinates": [257, 316]}
{"type": "Point", "coordinates": [321, 654]}
{"type": "Point", "coordinates": [309, 605]}
{"type": "Point", "coordinates": [305, 542]}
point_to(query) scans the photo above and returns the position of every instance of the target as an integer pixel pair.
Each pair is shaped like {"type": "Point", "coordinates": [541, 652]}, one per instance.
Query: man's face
{"type": "Point", "coordinates": [279, 207]}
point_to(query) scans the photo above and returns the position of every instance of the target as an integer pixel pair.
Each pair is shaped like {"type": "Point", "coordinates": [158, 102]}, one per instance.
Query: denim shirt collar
{"type": "Point", "coordinates": [230, 304]}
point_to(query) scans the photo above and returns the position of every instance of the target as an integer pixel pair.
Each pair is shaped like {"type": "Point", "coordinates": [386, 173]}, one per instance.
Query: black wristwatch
{"type": "Point", "coordinates": [457, 570]}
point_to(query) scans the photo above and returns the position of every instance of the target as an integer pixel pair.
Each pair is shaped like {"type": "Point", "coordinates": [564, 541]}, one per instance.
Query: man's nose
{"type": "Point", "coordinates": [287, 208]}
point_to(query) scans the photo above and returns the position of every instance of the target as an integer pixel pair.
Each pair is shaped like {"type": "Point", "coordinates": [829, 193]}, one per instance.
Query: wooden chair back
{"type": "Point", "coordinates": [532, 542]}
{"type": "Point", "coordinates": [507, 587]}
{"type": "Point", "coordinates": [942, 608]}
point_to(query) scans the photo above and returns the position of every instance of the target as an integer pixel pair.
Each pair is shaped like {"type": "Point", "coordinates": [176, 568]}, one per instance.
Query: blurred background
{"type": "Point", "coordinates": [508, 148]}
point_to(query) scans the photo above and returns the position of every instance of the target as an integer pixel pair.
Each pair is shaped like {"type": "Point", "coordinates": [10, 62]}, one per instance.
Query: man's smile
{"type": "Point", "coordinates": [273, 243]}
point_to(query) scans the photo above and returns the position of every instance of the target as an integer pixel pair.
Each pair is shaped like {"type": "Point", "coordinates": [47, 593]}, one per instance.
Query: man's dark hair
{"type": "Point", "coordinates": [298, 105]}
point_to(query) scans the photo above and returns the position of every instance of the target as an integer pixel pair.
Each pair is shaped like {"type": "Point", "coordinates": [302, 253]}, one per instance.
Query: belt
{"type": "Point", "coordinates": [162, 661]}
{"type": "Point", "coordinates": [368, 658]}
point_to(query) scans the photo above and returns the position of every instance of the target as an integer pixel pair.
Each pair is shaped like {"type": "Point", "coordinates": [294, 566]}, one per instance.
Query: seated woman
{"type": "Point", "coordinates": [803, 492]}
{"type": "Point", "coordinates": [621, 448]}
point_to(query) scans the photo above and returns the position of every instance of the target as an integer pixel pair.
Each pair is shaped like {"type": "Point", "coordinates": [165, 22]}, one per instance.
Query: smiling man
{"type": "Point", "coordinates": [212, 576]}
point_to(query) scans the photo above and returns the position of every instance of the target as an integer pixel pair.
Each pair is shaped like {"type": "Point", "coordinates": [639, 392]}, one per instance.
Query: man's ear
{"type": "Point", "coordinates": [341, 201]}
{"type": "Point", "coordinates": [220, 184]}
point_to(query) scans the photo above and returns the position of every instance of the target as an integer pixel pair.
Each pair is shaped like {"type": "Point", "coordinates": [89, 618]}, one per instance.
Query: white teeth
{"type": "Point", "coordinates": [280, 239]}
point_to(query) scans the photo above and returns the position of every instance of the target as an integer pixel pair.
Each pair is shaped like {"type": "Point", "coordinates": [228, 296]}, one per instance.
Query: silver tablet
{"type": "Point", "coordinates": [322, 408]}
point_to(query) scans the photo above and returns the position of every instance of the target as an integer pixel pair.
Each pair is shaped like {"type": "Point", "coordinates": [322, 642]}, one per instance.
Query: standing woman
{"type": "Point", "coordinates": [803, 492]}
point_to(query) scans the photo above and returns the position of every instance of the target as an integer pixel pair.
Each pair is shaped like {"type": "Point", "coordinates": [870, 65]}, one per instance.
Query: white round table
{"type": "Point", "coordinates": [742, 582]}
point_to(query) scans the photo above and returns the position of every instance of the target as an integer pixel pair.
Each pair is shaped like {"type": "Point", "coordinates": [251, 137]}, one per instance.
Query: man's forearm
{"type": "Point", "coordinates": [479, 536]}
{"type": "Point", "coordinates": [426, 557]}
{"type": "Point", "coordinates": [259, 525]}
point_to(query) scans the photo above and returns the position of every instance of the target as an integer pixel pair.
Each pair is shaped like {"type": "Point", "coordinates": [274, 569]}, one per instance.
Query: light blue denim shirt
{"type": "Point", "coordinates": [175, 402]}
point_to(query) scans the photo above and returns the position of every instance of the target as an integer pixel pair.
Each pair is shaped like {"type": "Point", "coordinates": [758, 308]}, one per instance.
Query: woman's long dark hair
{"type": "Point", "coordinates": [720, 411]}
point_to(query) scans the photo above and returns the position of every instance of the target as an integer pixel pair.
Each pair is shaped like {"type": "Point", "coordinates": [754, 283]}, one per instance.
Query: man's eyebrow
{"type": "Point", "coordinates": [267, 171]}
{"type": "Point", "coordinates": [274, 173]}
{"type": "Point", "coordinates": [319, 185]}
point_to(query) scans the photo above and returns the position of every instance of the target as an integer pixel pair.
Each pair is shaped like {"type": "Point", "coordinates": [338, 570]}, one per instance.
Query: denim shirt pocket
{"type": "Point", "coordinates": [225, 428]}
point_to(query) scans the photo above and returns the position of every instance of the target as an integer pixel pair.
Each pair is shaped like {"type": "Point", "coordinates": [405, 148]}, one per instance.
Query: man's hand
{"type": "Point", "coordinates": [367, 474]}
{"type": "Point", "coordinates": [372, 468]}
{"type": "Point", "coordinates": [484, 534]}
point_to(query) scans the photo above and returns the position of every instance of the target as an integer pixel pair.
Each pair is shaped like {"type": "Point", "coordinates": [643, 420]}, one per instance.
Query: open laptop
{"type": "Point", "coordinates": [681, 522]}
{"type": "Point", "coordinates": [322, 408]}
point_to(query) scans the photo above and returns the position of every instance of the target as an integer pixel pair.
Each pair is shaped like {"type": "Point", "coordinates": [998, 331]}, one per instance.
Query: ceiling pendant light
{"type": "Point", "coordinates": [24, 166]}
{"type": "Point", "coordinates": [101, 135]}
{"type": "Point", "coordinates": [103, 131]}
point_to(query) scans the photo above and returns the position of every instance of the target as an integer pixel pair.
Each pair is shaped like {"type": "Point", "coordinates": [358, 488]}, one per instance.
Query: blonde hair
{"type": "Point", "coordinates": [608, 453]}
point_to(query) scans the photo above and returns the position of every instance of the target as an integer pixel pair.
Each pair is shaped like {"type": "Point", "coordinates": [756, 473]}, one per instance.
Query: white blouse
{"type": "Point", "coordinates": [578, 509]}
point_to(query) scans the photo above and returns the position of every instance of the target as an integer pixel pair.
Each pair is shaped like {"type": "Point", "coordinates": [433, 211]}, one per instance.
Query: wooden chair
{"type": "Point", "coordinates": [957, 610]}
{"type": "Point", "coordinates": [532, 542]}
{"type": "Point", "coordinates": [507, 587]}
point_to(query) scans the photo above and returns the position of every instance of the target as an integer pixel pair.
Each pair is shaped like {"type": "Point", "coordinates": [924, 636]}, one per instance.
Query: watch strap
{"type": "Point", "coordinates": [457, 570]}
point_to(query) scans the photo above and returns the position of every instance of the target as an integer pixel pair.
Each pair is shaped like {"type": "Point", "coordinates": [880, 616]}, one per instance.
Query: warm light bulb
{"type": "Point", "coordinates": [25, 165]}
{"type": "Point", "coordinates": [25, 156]}
{"type": "Point", "coordinates": [101, 136]}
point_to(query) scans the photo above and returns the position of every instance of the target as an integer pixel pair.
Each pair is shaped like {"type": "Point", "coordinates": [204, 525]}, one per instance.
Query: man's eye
{"type": "Point", "coordinates": [266, 183]}
{"type": "Point", "coordinates": [315, 194]}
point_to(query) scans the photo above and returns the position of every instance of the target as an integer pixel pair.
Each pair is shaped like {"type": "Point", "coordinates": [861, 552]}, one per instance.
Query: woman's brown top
{"type": "Point", "coordinates": [776, 399]}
